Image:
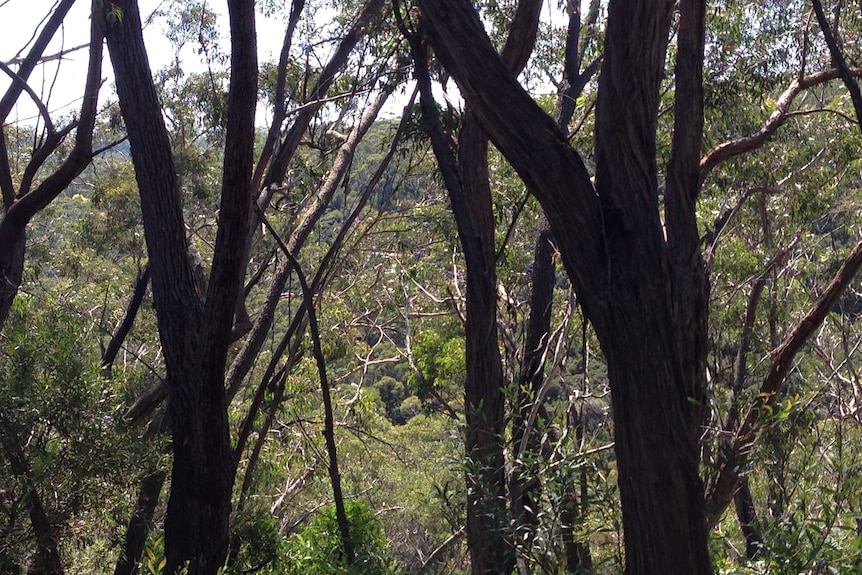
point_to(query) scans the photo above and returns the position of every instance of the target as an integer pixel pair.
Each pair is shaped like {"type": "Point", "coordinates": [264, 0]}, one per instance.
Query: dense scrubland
{"type": "Point", "coordinates": [365, 303]}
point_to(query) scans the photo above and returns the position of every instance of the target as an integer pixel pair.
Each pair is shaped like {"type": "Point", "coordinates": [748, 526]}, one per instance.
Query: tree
{"type": "Point", "coordinates": [195, 328]}
{"type": "Point", "coordinates": [197, 319]}
{"type": "Point", "coordinates": [22, 204]}
{"type": "Point", "coordinates": [466, 177]}
{"type": "Point", "coordinates": [637, 271]}
{"type": "Point", "coordinates": [638, 242]}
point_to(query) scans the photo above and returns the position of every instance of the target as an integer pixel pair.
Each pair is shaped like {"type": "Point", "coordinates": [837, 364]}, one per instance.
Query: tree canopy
{"type": "Point", "coordinates": [432, 287]}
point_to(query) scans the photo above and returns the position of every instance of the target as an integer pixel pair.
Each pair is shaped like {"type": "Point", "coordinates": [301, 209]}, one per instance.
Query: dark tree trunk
{"type": "Point", "coordinates": [192, 504]}
{"type": "Point", "coordinates": [11, 269]}
{"type": "Point", "coordinates": [194, 335]}
{"type": "Point", "coordinates": [488, 537]}
{"type": "Point", "coordinates": [46, 560]}
{"type": "Point", "coordinates": [488, 533]}
{"type": "Point", "coordinates": [524, 491]}
{"type": "Point", "coordinates": [119, 335]}
{"type": "Point", "coordinates": [576, 497]}
{"type": "Point", "coordinates": [612, 242]}
{"type": "Point", "coordinates": [526, 431]}
{"type": "Point", "coordinates": [746, 513]}
{"type": "Point", "coordinates": [491, 551]}
{"type": "Point", "coordinates": [467, 181]}
{"type": "Point", "coordinates": [140, 523]}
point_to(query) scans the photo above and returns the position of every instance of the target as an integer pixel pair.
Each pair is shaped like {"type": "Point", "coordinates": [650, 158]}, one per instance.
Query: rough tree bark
{"type": "Point", "coordinates": [487, 533]}
{"type": "Point", "coordinates": [195, 334]}
{"type": "Point", "coordinates": [139, 524]}
{"type": "Point", "coordinates": [467, 182]}
{"type": "Point", "coordinates": [524, 491]}
{"type": "Point", "coordinates": [611, 238]}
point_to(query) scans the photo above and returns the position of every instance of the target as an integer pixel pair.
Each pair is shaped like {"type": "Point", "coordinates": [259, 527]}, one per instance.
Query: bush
{"type": "Point", "coordinates": [317, 550]}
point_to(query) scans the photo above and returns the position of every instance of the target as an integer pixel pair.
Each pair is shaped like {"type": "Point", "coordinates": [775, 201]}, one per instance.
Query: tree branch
{"type": "Point", "coordinates": [228, 266]}
{"type": "Point", "coordinates": [838, 59]}
{"type": "Point", "coordinates": [32, 202]}
{"type": "Point", "coordinates": [280, 97]}
{"type": "Point", "coordinates": [721, 493]}
{"type": "Point", "coordinates": [119, 335]}
{"type": "Point", "coordinates": [329, 421]}
{"type": "Point", "coordinates": [526, 135]}
{"type": "Point", "coordinates": [29, 63]}
{"type": "Point", "coordinates": [430, 563]}
{"type": "Point", "coordinates": [40, 105]}
{"type": "Point", "coordinates": [50, 58]}
{"type": "Point", "coordinates": [732, 148]}
{"type": "Point", "coordinates": [278, 167]}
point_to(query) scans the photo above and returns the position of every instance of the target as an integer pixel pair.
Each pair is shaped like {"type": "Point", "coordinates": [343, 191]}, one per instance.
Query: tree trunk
{"type": "Point", "coordinates": [491, 551]}
{"type": "Point", "coordinates": [46, 560]}
{"type": "Point", "coordinates": [11, 270]}
{"type": "Point", "coordinates": [467, 181]}
{"type": "Point", "coordinates": [576, 496]}
{"type": "Point", "coordinates": [21, 205]}
{"type": "Point", "coordinates": [139, 524]}
{"type": "Point", "coordinates": [194, 335]}
{"type": "Point", "coordinates": [524, 485]}
{"type": "Point", "coordinates": [612, 242]}
{"type": "Point", "coordinates": [745, 512]}
{"type": "Point", "coordinates": [178, 309]}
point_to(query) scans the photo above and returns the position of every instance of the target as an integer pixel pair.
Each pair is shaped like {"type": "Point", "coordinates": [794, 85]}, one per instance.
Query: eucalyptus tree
{"type": "Point", "coordinates": [638, 271]}
{"type": "Point", "coordinates": [463, 163]}
{"type": "Point", "coordinates": [24, 195]}
{"type": "Point", "coordinates": [197, 320]}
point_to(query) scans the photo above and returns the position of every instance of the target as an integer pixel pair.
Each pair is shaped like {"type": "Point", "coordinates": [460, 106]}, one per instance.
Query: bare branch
{"type": "Point", "coordinates": [29, 63]}
{"type": "Point", "coordinates": [40, 105]}
{"type": "Point", "coordinates": [280, 93]}
{"type": "Point", "coordinates": [724, 487]}
{"type": "Point", "coordinates": [732, 148]}
{"type": "Point", "coordinates": [30, 203]}
{"type": "Point", "coordinates": [329, 422]}
{"type": "Point", "coordinates": [430, 563]}
{"type": "Point", "coordinates": [50, 58]}
{"type": "Point", "coordinates": [838, 59]}
{"type": "Point", "coordinates": [278, 167]}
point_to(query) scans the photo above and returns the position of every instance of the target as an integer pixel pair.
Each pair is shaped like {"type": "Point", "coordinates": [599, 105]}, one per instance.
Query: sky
{"type": "Point", "coordinates": [60, 83]}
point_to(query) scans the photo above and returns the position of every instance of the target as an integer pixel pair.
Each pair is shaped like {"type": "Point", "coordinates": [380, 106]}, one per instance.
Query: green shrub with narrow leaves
{"type": "Point", "coordinates": [317, 549]}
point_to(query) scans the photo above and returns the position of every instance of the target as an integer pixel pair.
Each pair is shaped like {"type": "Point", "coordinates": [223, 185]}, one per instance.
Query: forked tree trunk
{"type": "Point", "coordinates": [646, 309]}
{"type": "Point", "coordinates": [22, 204]}
{"type": "Point", "coordinates": [195, 335]}
{"type": "Point", "coordinates": [491, 550]}
{"type": "Point", "coordinates": [489, 536]}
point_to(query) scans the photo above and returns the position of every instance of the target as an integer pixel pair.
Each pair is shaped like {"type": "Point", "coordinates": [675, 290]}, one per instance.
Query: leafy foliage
{"type": "Point", "coordinates": [317, 549]}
